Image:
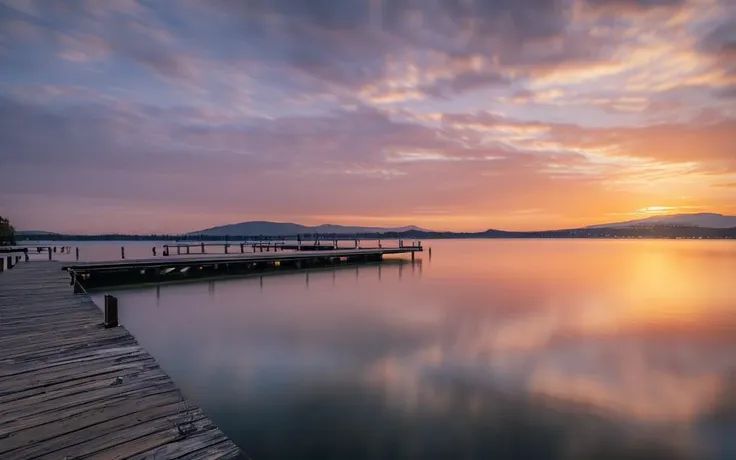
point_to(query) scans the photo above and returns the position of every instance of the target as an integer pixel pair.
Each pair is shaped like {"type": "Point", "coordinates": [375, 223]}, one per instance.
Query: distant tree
{"type": "Point", "coordinates": [7, 232]}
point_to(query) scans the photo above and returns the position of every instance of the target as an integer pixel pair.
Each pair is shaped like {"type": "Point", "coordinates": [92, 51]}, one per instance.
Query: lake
{"type": "Point", "coordinates": [533, 349]}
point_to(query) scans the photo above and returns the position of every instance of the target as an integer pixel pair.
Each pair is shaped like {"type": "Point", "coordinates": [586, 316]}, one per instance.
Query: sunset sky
{"type": "Point", "coordinates": [171, 116]}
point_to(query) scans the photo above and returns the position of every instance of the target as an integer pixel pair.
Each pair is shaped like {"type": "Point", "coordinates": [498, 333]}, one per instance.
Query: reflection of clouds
{"type": "Point", "coordinates": [572, 356]}
{"type": "Point", "coordinates": [634, 391]}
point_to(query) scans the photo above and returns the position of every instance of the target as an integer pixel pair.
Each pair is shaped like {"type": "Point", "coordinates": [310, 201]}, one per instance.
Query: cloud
{"type": "Point", "coordinates": [638, 4]}
{"type": "Point", "coordinates": [452, 102]}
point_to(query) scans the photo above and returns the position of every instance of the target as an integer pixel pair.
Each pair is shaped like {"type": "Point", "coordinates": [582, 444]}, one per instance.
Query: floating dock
{"type": "Point", "coordinates": [70, 388]}
{"type": "Point", "coordinates": [92, 275]}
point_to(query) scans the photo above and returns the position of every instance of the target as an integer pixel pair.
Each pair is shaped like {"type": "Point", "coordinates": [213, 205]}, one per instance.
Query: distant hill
{"type": "Point", "coordinates": [33, 232]}
{"type": "Point", "coordinates": [288, 228]}
{"type": "Point", "coordinates": [704, 220]}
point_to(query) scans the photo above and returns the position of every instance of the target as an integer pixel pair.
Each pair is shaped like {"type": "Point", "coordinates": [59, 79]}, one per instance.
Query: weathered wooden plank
{"type": "Point", "coordinates": [95, 389]}
{"type": "Point", "coordinates": [52, 390]}
{"type": "Point", "coordinates": [123, 371]}
{"type": "Point", "coordinates": [82, 422]}
{"type": "Point", "coordinates": [97, 437]}
{"type": "Point", "coordinates": [69, 371]}
{"type": "Point", "coordinates": [50, 414]}
{"type": "Point", "coordinates": [168, 440]}
{"type": "Point", "coordinates": [200, 440]}
{"type": "Point", "coordinates": [27, 367]}
{"type": "Point", "coordinates": [69, 347]}
{"type": "Point", "coordinates": [59, 391]}
{"type": "Point", "coordinates": [225, 449]}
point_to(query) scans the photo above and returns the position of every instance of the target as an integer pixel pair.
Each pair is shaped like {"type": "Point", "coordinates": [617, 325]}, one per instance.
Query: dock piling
{"type": "Point", "coordinates": [77, 251]}
{"type": "Point", "coordinates": [49, 253]}
{"type": "Point", "coordinates": [122, 252]}
{"type": "Point", "coordinates": [111, 311]}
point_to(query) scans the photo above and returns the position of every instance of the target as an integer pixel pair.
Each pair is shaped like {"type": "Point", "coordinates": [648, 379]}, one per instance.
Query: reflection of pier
{"type": "Point", "coordinates": [125, 272]}
{"type": "Point", "coordinates": [391, 268]}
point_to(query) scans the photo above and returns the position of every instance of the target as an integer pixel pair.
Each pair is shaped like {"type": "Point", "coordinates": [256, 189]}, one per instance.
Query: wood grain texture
{"type": "Point", "coordinates": [69, 388]}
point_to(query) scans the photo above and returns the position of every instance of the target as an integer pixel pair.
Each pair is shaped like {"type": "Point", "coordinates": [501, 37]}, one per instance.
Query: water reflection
{"type": "Point", "coordinates": [498, 349]}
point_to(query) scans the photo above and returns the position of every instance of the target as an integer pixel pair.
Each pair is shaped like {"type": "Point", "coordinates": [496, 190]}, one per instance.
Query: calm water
{"type": "Point", "coordinates": [492, 349]}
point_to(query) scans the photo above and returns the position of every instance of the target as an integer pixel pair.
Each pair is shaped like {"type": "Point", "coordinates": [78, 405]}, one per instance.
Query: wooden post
{"type": "Point", "coordinates": [412, 256]}
{"type": "Point", "coordinates": [430, 252]}
{"type": "Point", "coordinates": [77, 251]}
{"type": "Point", "coordinates": [187, 249]}
{"type": "Point", "coordinates": [122, 252]}
{"type": "Point", "coordinates": [226, 245]}
{"type": "Point", "coordinates": [242, 248]}
{"type": "Point", "coordinates": [111, 311]}
{"type": "Point", "coordinates": [8, 262]}
{"type": "Point", "coordinates": [77, 285]}
{"type": "Point", "coordinates": [178, 250]}
{"type": "Point", "coordinates": [49, 252]}
{"type": "Point", "coordinates": [154, 251]}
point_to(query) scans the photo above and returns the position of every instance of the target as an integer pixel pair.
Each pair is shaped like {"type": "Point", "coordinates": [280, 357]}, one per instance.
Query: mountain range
{"type": "Point", "coordinates": [288, 228]}
{"type": "Point", "coordinates": [703, 220]}
{"type": "Point", "coordinates": [670, 225]}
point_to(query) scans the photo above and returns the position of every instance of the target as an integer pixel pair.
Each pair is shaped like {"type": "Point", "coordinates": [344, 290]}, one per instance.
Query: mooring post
{"type": "Point", "coordinates": [430, 252]}
{"type": "Point", "coordinates": [77, 251]}
{"type": "Point", "coordinates": [49, 252]}
{"type": "Point", "coordinates": [122, 252]}
{"type": "Point", "coordinates": [226, 245]}
{"type": "Point", "coordinates": [154, 251]}
{"type": "Point", "coordinates": [26, 254]}
{"type": "Point", "coordinates": [187, 249]}
{"type": "Point", "coordinates": [111, 311]}
{"type": "Point", "coordinates": [412, 256]}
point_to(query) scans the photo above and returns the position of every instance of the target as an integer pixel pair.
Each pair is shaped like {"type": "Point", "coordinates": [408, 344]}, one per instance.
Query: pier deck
{"type": "Point", "coordinates": [91, 275]}
{"type": "Point", "coordinates": [69, 388]}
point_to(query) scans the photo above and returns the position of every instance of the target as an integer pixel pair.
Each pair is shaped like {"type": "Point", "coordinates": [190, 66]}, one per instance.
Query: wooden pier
{"type": "Point", "coordinates": [92, 275]}
{"type": "Point", "coordinates": [70, 388]}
